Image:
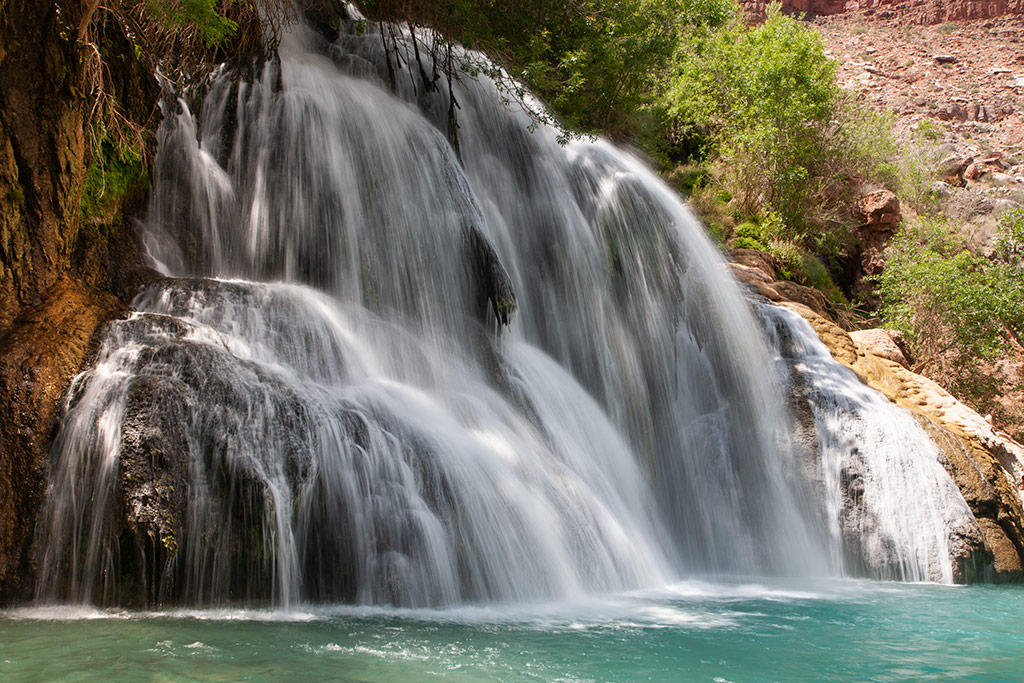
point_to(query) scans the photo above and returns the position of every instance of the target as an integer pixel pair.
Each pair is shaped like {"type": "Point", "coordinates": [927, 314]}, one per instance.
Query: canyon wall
{"type": "Point", "coordinates": [909, 11]}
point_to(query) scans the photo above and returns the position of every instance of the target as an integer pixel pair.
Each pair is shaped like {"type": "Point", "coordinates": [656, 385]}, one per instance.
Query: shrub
{"type": "Point", "coordinates": [742, 242]}
{"type": "Point", "coordinates": [803, 267]}
{"type": "Point", "coordinates": [599, 65]}
{"type": "Point", "coordinates": [688, 178]}
{"type": "Point", "coordinates": [1010, 240]}
{"type": "Point", "coordinates": [750, 230]}
{"type": "Point", "coordinates": [957, 309]}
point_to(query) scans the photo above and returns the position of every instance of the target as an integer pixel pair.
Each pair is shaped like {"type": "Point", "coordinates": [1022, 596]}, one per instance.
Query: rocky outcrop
{"type": "Point", "coordinates": [42, 154]}
{"type": "Point", "coordinates": [987, 465]}
{"type": "Point", "coordinates": [878, 218]}
{"type": "Point", "coordinates": [936, 11]}
{"type": "Point", "coordinates": [59, 262]}
{"type": "Point", "coordinates": [759, 271]}
{"type": "Point", "coordinates": [887, 344]}
{"type": "Point", "coordinates": [46, 347]}
{"type": "Point", "coordinates": [957, 89]}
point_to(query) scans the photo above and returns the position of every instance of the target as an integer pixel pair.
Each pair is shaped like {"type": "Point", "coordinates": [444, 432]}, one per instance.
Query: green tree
{"type": "Point", "coordinates": [601, 65]}
{"type": "Point", "coordinates": [201, 16]}
{"type": "Point", "coordinates": [767, 99]}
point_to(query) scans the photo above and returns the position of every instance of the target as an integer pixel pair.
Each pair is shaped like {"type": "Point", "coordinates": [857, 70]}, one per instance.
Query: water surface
{"type": "Point", "coordinates": [701, 631]}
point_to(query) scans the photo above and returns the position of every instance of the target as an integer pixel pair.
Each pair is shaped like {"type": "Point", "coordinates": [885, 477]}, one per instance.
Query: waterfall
{"type": "Point", "coordinates": [381, 371]}
{"type": "Point", "coordinates": [891, 505]}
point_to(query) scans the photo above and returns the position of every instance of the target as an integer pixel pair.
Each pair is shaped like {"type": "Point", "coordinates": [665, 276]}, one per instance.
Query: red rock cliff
{"type": "Point", "coordinates": [913, 11]}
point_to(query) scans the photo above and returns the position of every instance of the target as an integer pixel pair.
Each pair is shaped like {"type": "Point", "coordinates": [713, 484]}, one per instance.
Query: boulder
{"type": "Point", "coordinates": [887, 344]}
{"type": "Point", "coordinates": [952, 167]}
{"type": "Point", "coordinates": [760, 261]}
{"type": "Point", "coordinates": [951, 112]}
{"type": "Point", "coordinates": [878, 210]}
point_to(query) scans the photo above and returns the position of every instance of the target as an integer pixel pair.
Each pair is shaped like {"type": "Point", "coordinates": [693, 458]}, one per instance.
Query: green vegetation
{"type": "Point", "coordinates": [766, 99]}
{"type": "Point", "coordinates": [1010, 243]}
{"type": "Point", "coordinates": [112, 174]}
{"type": "Point", "coordinates": [958, 311]}
{"type": "Point", "coordinates": [601, 66]}
{"type": "Point", "coordinates": [199, 15]}
{"type": "Point", "coordinates": [785, 142]}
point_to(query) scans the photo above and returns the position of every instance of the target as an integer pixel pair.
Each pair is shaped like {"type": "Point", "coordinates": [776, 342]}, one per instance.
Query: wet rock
{"type": "Point", "coordinates": [760, 261]}
{"type": "Point", "coordinates": [154, 475]}
{"type": "Point", "coordinates": [47, 345]}
{"type": "Point", "coordinates": [492, 279]}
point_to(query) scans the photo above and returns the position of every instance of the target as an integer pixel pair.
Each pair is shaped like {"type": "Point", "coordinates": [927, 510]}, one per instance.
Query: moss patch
{"type": "Point", "coordinates": [112, 175]}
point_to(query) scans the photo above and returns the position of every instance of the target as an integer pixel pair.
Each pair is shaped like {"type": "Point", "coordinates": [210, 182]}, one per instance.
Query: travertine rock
{"type": "Point", "coordinates": [887, 344]}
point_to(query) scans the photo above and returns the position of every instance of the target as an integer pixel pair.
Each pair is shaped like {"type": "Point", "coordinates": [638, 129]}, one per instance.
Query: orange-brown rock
{"type": "Point", "coordinates": [59, 269]}
{"type": "Point", "coordinates": [46, 347]}
{"type": "Point", "coordinates": [879, 218]}
{"type": "Point", "coordinates": [878, 211]}
{"type": "Point", "coordinates": [759, 271]}
{"type": "Point", "coordinates": [915, 11]}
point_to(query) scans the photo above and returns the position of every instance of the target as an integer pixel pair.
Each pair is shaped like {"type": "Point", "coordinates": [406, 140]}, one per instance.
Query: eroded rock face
{"type": "Point", "coordinates": [61, 272]}
{"type": "Point", "coordinates": [915, 11]}
{"type": "Point", "coordinates": [879, 218]}
{"type": "Point", "coordinates": [887, 344]}
{"type": "Point", "coordinates": [37, 359]}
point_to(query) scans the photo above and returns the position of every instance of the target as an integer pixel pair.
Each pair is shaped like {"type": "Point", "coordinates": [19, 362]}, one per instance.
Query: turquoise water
{"type": "Point", "coordinates": [697, 631]}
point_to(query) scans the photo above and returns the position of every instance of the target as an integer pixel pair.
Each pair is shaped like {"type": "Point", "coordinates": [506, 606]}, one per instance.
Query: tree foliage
{"type": "Point", "coordinates": [768, 101]}
{"type": "Point", "coordinates": [600, 64]}
{"type": "Point", "coordinates": [199, 15]}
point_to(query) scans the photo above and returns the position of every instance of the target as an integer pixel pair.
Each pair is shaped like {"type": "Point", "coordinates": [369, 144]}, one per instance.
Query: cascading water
{"type": "Point", "coordinates": [349, 422]}
{"type": "Point", "coordinates": [891, 505]}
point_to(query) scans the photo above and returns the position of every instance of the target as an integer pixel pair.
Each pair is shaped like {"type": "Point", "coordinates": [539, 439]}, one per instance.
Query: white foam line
{"type": "Point", "coordinates": [651, 608]}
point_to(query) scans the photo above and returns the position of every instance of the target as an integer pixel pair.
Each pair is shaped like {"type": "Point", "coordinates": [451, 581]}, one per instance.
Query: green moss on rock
{"type": "Point", "coordinates": [111, 176]}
